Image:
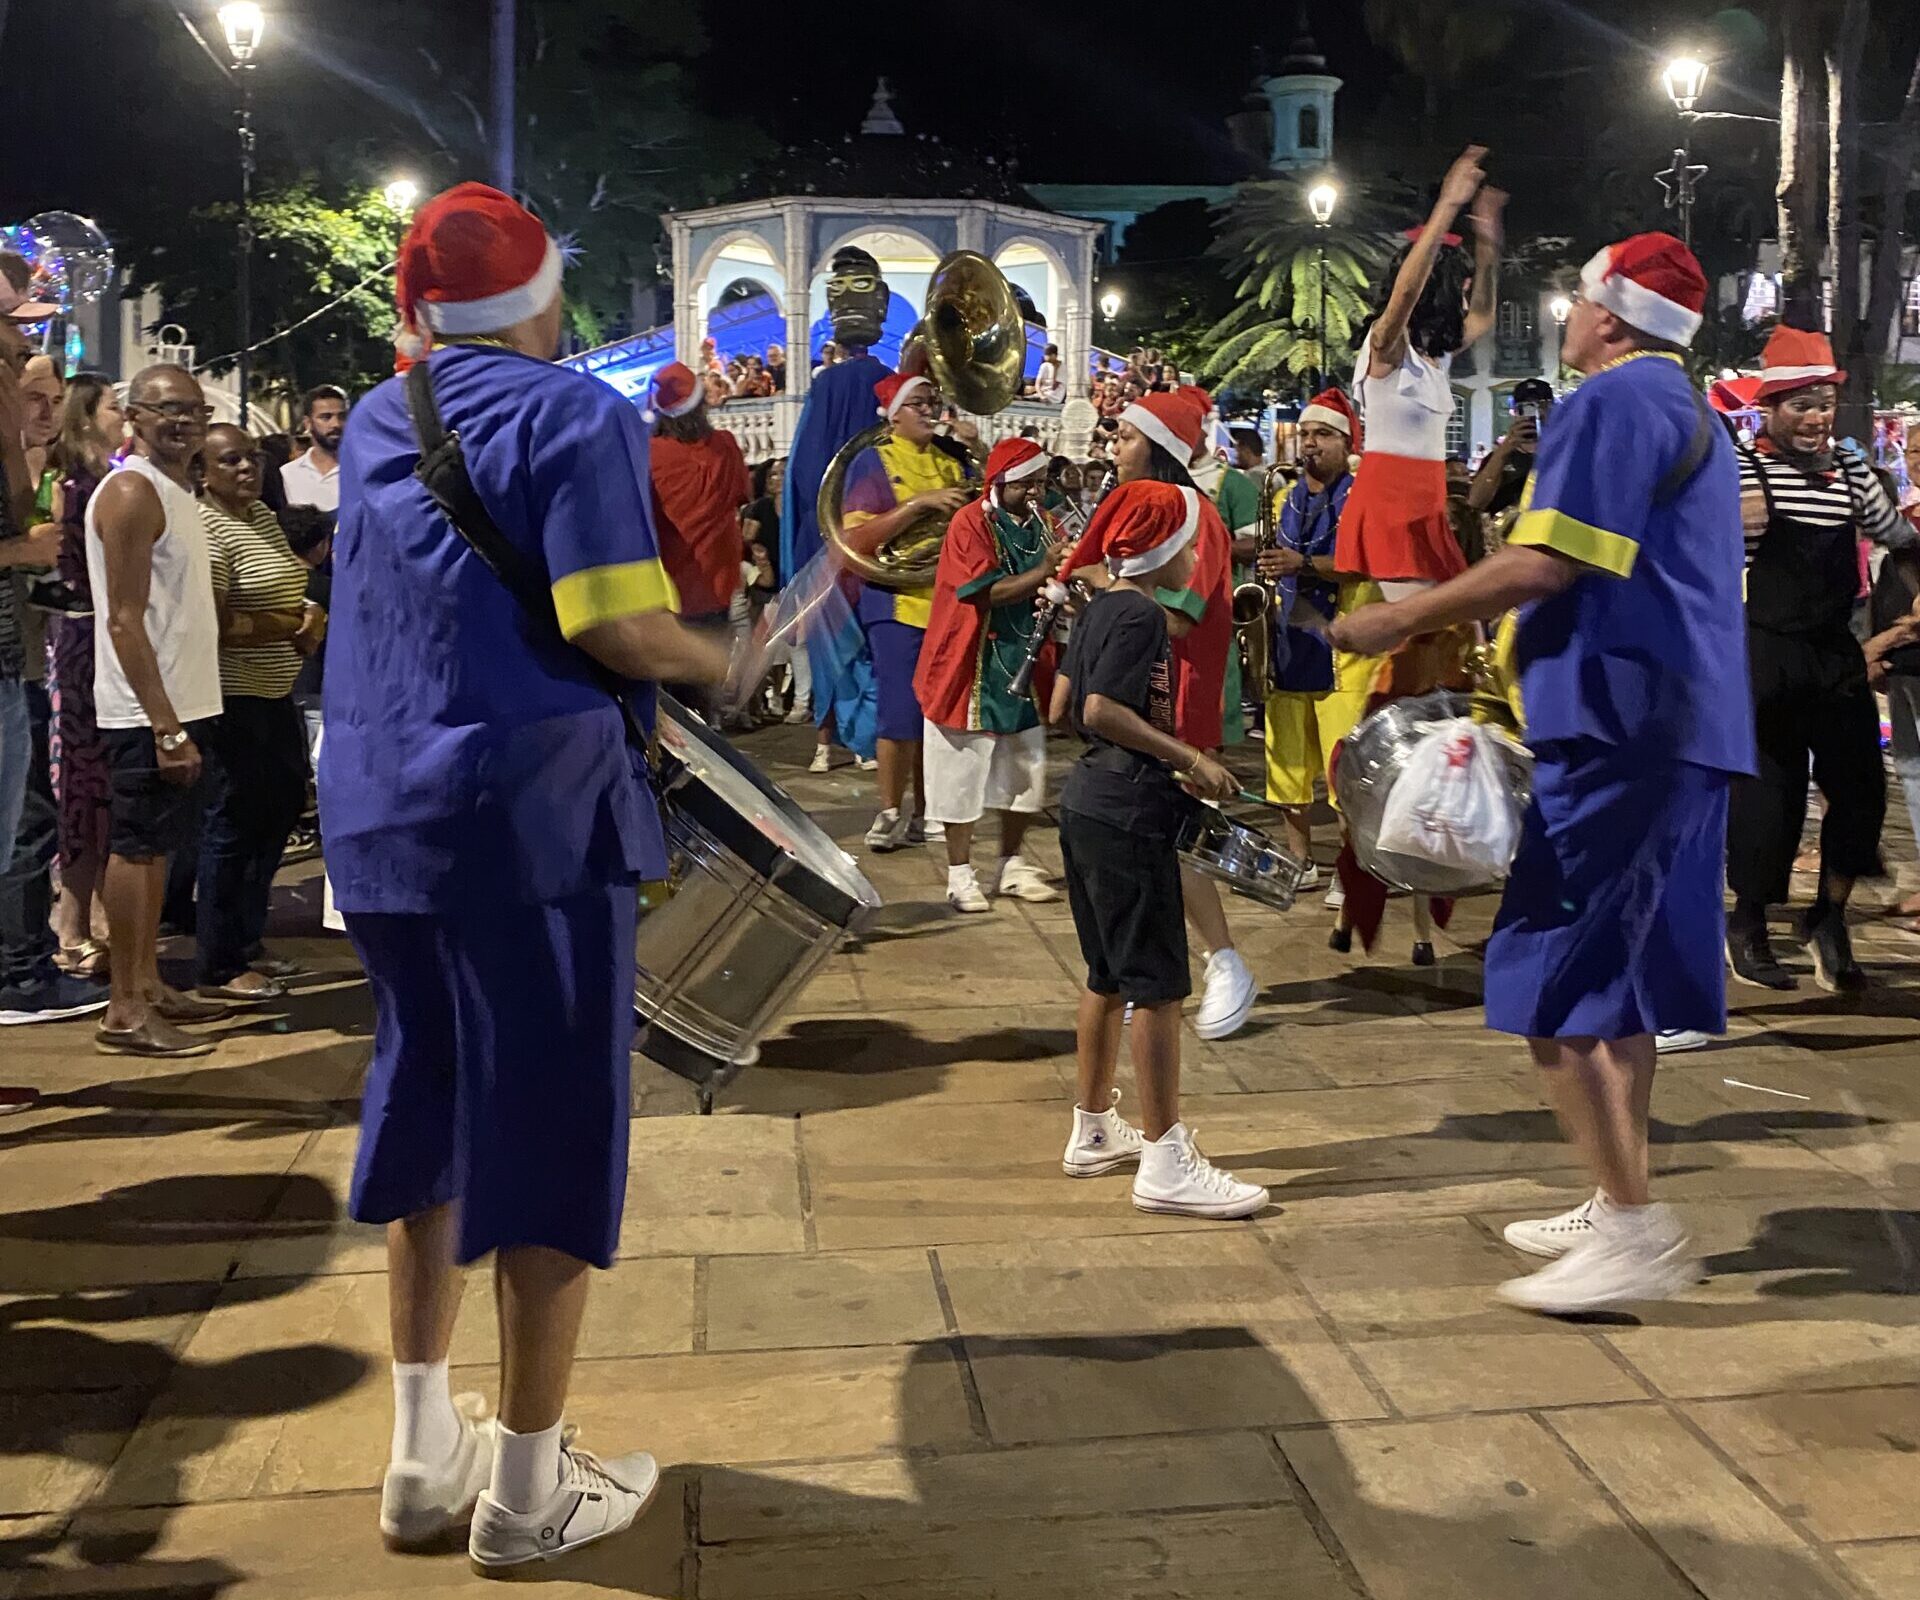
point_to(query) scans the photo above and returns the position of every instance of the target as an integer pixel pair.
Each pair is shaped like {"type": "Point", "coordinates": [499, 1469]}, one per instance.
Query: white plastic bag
{"type": "Point", "coordinates": [1452, 804]}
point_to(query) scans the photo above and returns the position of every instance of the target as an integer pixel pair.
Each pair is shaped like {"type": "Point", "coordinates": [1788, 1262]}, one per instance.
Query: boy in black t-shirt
{"type": "Point", "coordinates": [1120, 813]}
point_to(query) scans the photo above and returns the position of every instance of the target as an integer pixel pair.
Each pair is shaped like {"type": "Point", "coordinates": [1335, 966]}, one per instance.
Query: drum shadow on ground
{"type": "Point", "coordinates": [1831, 1250]}
{"type": "Point", "coordinates": [74, 1393]}
{"type": "Point", "coordinates": [1270, 1502]}
{"type": "Point", "coordinates": [834, 1063]}
{"type": "Point", "coordinates": [1378, 991]}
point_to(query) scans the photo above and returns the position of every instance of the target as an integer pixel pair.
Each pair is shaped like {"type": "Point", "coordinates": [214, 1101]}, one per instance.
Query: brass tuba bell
{"type": "Point", "coordinates": [971, 340]}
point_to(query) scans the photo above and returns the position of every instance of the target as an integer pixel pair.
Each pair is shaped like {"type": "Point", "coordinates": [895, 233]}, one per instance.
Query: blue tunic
{"type": "Point", "coordinates": [1303, 660]}
{"type": "Point", "coordinates": [840, 404]}
{"type": "Point", "coordinates": [468, 760]}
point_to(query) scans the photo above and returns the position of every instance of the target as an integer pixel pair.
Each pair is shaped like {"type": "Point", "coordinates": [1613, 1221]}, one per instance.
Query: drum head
{"type": "Point", "coordinates": [759, 821]}
{"type": "Point", "coordinates": [1371, 761]}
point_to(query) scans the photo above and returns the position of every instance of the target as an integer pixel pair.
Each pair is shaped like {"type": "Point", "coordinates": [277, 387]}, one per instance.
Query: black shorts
{"type": "Point", "coordinates": [151, 818]}
{"type": "Point", "coordinates": [1128, 910]}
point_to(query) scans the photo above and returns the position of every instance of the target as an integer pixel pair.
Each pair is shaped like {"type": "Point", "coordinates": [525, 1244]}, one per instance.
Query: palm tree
{"type": "Point", "coordinates": [1270, 244]}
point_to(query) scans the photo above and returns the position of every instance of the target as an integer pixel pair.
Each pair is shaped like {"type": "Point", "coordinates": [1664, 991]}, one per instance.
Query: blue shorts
{"type": "Point", "coordinates": [1614, 919]}
{"type": "Point", "coordinates": [896, 657]}
{"type": "Point", "coordinates": [500, 1071]}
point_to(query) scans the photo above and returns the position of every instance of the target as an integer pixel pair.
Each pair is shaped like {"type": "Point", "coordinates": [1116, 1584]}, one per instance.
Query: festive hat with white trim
{"type": "Point", "coordinates": [474, 261]}
{"type": "Point", "coordinates": [896, 389]}
{"type": "Point", "coordinates": [1795, 359]}
{"type": "Point", "coordinates": [1331, 408]}
{"type": "Point", "coordinates": [1173, 421]}
{"type": "Point", "coordinates": [1652, 281]}
{"type": "Point", "coordinates": [1139, 528]}
{"type": "Point", "coordinates": [676, 391]}
{"type": "Point", "coordinates": [1013, 459]}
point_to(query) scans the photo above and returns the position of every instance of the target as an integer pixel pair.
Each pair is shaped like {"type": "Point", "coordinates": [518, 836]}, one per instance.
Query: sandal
{"type": "Point", "coordinates": [176, 1007]}
{"type": "Point", "coordinates": [276, 967]}
{"type": "Point", "coordinates": [150, 1039]}
{"type": "Point", "coordinates": [272, 989]}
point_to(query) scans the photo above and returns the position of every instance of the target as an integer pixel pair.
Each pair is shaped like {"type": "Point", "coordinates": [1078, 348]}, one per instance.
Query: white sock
{"type": "Point", "coordinates": [526, 1468]}
{"type": "Point", "coordinates": [426, 1428]}
{"type": "Point", "coordinates": [958, 878]}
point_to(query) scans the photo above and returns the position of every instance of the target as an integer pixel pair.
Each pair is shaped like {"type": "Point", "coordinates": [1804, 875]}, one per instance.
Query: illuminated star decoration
{"type": "Point", "coordinates": [1678, 180]}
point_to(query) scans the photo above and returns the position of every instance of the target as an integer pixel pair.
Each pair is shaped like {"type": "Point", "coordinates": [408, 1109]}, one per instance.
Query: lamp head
{"type": "Point", "coordinates": [1562, 308]}
{"type": "Point", "coordinates": [243, 23]}
{"type": "Point", "coordinates": [1321, 199]}
{"type": "Point", "coordinates": [1110, 304]}
{"type": "Point", "coordinates": [401, 194]}
{"type": "Point", "coordinates": [1684, 78]}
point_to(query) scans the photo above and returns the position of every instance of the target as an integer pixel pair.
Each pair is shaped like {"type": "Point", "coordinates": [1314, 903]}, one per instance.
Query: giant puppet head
{"type": "Point", "coordinates": [857, 297]}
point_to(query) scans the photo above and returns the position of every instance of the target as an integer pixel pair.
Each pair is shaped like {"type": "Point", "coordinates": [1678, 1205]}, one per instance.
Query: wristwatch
{"type": "Point", "coordinates": [171, 742]}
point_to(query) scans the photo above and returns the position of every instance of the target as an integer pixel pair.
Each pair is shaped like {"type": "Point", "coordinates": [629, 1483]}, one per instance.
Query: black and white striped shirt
{"type": "Point", "coordinates": [1848, 495]}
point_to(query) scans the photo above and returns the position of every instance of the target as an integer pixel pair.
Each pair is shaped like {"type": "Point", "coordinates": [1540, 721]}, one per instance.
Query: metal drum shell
{"type": "Point", "coordinates": [749, 922]}
{"type": "Point", "coordinates": [1371, 762]}
{"type": "Point", "coordinates": [1239, 856]}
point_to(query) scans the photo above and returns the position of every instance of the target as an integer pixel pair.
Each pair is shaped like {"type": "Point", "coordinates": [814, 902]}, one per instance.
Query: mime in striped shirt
{"type": "Point", "coordinates": [1806, 505]}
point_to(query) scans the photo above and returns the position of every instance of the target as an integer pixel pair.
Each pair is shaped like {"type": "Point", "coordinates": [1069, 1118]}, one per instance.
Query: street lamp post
{"type": "Point", "coordinates": [1321, 199]}
{"type": "Point", "coordinates": [243, 23]}
{"type": "Point", "coordinates": [1562, 308]}
{"type": "Point", "coordinates": [1685, 77]}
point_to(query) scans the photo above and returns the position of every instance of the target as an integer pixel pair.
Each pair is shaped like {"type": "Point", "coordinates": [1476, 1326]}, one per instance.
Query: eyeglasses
{"type": "Point", "coordinates": [925, 407]}
{"type": "Point", "coordinates": [175, 410]}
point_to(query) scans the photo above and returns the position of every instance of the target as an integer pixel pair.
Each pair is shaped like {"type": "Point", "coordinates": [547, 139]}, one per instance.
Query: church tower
{"type": "Point", "coordinates": [1300, 102]}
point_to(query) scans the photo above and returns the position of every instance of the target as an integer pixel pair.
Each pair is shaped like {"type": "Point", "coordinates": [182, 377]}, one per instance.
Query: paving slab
{"type": "Point", "coordinates": [860, 1297]}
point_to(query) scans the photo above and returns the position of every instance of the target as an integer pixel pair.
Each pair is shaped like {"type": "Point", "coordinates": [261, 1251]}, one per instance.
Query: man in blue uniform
{"type": "Point", "coordinates": [486, 827]}
{"type": "Point", "coordinates": [839, 405]}
{"type": "Point", "coordinates": [1630, 646]}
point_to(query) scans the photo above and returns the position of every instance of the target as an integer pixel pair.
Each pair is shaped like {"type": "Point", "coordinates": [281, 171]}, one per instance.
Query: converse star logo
{"type": "Point", "coordinates": [1097, 1140]}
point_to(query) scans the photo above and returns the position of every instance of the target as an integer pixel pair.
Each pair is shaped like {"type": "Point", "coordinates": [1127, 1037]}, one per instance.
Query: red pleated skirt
{"type": "Point", "coordinates": [1395, 523]}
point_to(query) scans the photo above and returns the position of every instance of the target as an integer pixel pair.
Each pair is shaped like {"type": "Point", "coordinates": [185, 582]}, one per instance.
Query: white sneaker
{"type": "Point", "coordinates": [422, 1507]}
{"type": "Point", "coordinates": [889, 831]}
{"type": "Point", "coordinates": [1226, 1001]}
{"type": "Point", "coordinates": [921, 831]}
{"type": "Point", "coordinates": [1102, 1140]}
{"type": "Point", "coordinates": [1678, 1039]}
{"type": "Point", "coordinates": [1309, 880]}
{"type": "Point", "coordinates": [1553, 1237]}
{"type": "Point", "coordinates": [967, 895]}
{"type": "Point", "coordinates": [867, 763]}
{"type": "Point", "coordinates": [1336, 896]}
{"type": "Point", "coordinates": [1176, 1179]}
{"type": "Point", "coordinates": [1634, 1255]}
{"type": "Point", "coordinates": [822, 759]}
{"type": "Point", "coordinates": [593, 1500]}
{"type": "Point", "coordinates": [1024, 881]}
{"type": "Point", "coordinates": [802, 711]}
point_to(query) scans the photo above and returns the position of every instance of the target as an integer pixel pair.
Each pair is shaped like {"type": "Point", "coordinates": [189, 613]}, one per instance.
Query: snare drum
{"type": "Point", "coordinates": [760, 898]}
{"type": "Point", "coordinates": [1243, 858]}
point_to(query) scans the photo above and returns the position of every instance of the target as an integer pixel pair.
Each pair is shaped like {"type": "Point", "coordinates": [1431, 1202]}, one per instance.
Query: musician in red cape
{"type": "Point", "coordinates": [985, 748]}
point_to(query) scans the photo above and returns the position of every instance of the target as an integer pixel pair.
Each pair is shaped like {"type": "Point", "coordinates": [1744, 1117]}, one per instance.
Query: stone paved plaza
{"type": "Point", "coordinates": [884, 1348]}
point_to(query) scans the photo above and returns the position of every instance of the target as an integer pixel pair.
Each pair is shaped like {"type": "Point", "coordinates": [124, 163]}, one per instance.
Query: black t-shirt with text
{"type": "Point", "coordinates": [1119, 649]}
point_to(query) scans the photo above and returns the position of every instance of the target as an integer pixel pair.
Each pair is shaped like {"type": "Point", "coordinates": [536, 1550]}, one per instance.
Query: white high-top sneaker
{"type": "Point", "coordinates": [1022, 880]}
{"type": "Point", "coordinates": [1634, 1253]}
{"type": "Point", "coordinates": [1102, 1140]}
{"type": "Point", "coordinates": [888, 831]}
{"type": "Point", "coordinates": [422, 1506]}
{"type": "Point", "coordinates": [1226, 996]}
{"type": "Point", "coordinates": [1175, 1178]}
{"type": "Point", "coordinates": [593, 1500]}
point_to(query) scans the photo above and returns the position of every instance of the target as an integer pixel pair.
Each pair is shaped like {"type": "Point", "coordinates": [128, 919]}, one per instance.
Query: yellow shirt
{"type": "Point", "coordinates": [908, 470]}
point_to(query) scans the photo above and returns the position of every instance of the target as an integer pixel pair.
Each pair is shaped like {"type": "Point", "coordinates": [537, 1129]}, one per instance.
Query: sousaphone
{"type": "Point", "coordinates": [971, 341]}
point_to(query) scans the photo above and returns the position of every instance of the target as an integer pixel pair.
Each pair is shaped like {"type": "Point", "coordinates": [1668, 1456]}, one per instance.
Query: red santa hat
{"type": "Point", "coordinates": [1173, 421]}
{"type": "Point", "coordinates": [896, 389]}
{"type": "Point", "coordinates": [474, 261]}
{"type": "Point", "coordinates": [676, 390]}
{"type": "Point", "coordinates": [1139, 528]}
{"type": "Point", "coordinates": [1651, 280]}
{"type": "Point", "coordinates": [1013, 459]}
{"type": "Point", "coordinates": [1740, 393]}
{"type": "Point", "coordinates": [1795, 359]}
{"type": "Point", "coordinates": [1332, 408]}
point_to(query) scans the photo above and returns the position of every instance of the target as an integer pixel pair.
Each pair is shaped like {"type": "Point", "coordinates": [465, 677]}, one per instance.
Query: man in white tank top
{"type": "Point", "coordinates": [156, 685]}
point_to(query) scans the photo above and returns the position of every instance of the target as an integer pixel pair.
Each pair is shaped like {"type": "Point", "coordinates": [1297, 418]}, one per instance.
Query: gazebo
{"type": "Point", "coordinates": [752, 273]}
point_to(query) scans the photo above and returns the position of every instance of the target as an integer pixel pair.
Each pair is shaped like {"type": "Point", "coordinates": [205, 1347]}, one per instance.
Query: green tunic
{"type": "Point", "coordinates": [1021, 546]}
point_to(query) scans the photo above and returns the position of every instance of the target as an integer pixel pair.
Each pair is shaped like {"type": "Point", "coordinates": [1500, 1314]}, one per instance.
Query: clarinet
{"type": "Point", "coordinates": [1054, 595]}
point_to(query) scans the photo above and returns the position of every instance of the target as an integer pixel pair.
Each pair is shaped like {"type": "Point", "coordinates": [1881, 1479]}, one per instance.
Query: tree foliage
{"type": "Point", "coordinates": [310, 249]}
{"type": "Point", "coordinates": [1269, 244]}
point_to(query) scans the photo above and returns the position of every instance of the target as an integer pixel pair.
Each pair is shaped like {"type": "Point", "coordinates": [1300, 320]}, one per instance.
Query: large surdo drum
{"type": "Point", "coordinates": [760, 897]}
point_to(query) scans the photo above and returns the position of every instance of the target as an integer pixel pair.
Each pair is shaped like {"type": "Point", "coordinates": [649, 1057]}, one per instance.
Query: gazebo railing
{"type": "Point", "coordinates": [765, 427]}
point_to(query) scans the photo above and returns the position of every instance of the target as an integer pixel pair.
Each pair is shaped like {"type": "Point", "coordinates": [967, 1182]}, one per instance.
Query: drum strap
{"type": "Point", "coordinates": [443, 473]}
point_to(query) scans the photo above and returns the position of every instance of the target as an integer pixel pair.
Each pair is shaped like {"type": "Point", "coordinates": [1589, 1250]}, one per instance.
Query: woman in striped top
{"type": "Point", "coordinates": [1805, 506]}
{"type": "Point", "coordinates": [257, 763]}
